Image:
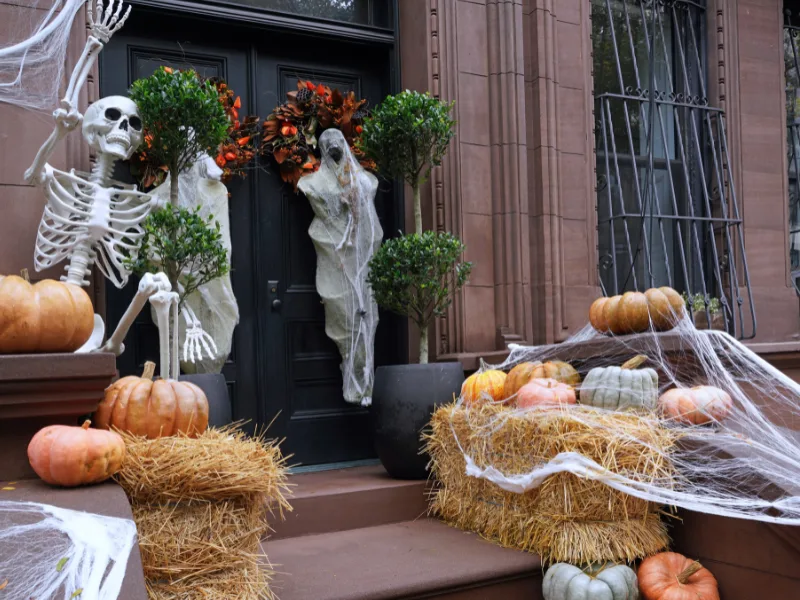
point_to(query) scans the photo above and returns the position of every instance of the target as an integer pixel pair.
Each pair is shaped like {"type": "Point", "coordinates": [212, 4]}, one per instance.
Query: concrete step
{"type": "Point", "coordinates": [408, 560]}
{"type": "Point", "coordinates": [330, 501]}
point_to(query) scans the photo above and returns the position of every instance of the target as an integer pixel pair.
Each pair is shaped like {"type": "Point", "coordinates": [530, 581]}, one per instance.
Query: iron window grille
{"type": "Point", "coordinates": [667, 208]}
{"type": "Point", "coordinates": [791, 55]}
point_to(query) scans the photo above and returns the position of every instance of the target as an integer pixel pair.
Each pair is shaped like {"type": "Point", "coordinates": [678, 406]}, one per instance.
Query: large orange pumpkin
{"type": "Point", "coordinates": [482, 384]}
{"type": "Point", "coordinates": [672, 576]}
{"type": "Point", "coordinates": [545, 392]}
{"type": "Point", "coordinates": [153, 409]}
{"type": "Point", "coordinates": [72, 456]}
{"type": "Point", "coordinates": [48, 316]}
{"type": "Point", "coordinates": [695, 406]}
{"type": "Point", "coordinates": [633, 312]}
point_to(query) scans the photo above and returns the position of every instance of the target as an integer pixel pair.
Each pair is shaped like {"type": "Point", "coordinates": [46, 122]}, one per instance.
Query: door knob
{"type": "Point", "coordinates": [276, 304]}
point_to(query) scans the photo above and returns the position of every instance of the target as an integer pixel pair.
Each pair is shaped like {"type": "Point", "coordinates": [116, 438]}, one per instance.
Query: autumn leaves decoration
{"type": "Point", "coordinates": [288, 135]}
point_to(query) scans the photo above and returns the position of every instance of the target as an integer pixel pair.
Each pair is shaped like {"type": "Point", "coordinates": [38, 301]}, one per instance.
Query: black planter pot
{"type": "Point", "coordinates": [403, 400]}
{"type": "Point", "coordinates": [216, 390]}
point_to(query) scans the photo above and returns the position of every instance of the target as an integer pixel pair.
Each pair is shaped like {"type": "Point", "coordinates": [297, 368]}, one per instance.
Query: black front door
{"type": "Point", "coordinates": [283, 369]}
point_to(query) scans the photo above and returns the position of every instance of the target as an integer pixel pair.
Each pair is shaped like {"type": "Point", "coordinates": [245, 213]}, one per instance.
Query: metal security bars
{"type": "Point", "coordinates": [667, 207]}
{"type": "Point", "coordinates": [791, 55]}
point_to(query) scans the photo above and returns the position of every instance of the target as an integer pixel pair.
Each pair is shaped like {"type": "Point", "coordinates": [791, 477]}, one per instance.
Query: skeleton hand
{"type": "Point", "coordinates": [197, 340]}
{"type": "Point", "coordinates": [67, 117]}
{"type": "Point", "coordinates": [107, 22]}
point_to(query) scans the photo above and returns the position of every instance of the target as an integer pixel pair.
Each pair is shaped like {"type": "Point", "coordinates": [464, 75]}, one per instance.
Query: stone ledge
{"type": "Point", "coordinates": [53, 385]}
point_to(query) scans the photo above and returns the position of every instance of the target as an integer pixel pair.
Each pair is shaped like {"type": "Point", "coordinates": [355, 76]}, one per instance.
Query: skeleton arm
{"type": "Point", "coordinates": [67, 117]}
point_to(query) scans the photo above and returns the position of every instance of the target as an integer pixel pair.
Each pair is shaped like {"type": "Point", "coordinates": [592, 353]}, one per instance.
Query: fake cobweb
{"type": "Point", "coordinates": [50, 552]}
{"type": "Point", "coordinates": [346, 234]}
{"type": "Point", "coordinates": [32, 61]}
{"type": "Point", "coordinates": [746, 465]}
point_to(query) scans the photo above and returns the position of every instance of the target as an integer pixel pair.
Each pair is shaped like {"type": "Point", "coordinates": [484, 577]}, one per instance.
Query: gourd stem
{"type": "Point", "coordinates": [635, 362]}
{"type": "Point", "coordinates": [481, 365]}
{"type": "Point", "coordinates": [149, 370]}
{"type": "Point", "coordinates": [693, 568]}
{"type": "Point", "coordinates": [25, 275]}
{"type": "Point", "coordinates": [86, 424]}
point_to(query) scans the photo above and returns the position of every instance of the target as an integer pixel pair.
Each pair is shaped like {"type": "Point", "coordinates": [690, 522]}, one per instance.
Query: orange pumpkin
{"type": "Point", "coordinates": [524, 372]}
{"type": "Point", "coordinates": [545, 392]}
{"type": "Point", "coordinates": [153, 409]}
{"type": "Point", "coordinates": [695, 406]}
{"type": "Point", "coordinates": [72, 456]}
{"type": "Point", "coordinates": [48, 316]}
{"type": "Point", "coordinates": [483, 383]}
{"type": "Point", "coordinates": [633, 312]}
{"type": "Point", "coordinates": [519, 376]}
{"type": "Point", "coordinates": [672, 576]}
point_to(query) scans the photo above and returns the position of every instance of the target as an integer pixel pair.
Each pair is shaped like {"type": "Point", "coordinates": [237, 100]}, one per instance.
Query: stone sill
{"type": "Point", "coordinates": [53, 385]}
{"type": "Point", "coordinates": [782, 355]}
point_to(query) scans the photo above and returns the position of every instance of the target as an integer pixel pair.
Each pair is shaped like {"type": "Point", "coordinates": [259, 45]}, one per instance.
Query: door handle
{"type": "Point", "coordinates": [273, 298]}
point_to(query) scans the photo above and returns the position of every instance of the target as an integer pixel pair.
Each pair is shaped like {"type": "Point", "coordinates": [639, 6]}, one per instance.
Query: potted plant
{"type": "Point", "coordinates": [184, 119]}
{"type": "Point", "coordinates": [706, 315]}
{"type": "Point", "coordinates": [414, 275]}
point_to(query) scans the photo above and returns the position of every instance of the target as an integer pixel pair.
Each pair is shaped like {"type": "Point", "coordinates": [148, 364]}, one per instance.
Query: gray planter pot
{"type": "Point", "coordinates": [403, 400]}
{"type": "Point", "coordinates": [216, 390]}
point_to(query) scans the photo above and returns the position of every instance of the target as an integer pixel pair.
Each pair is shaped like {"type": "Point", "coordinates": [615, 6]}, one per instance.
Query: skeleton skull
{"type": "Point", "coordinates": [112, 126]}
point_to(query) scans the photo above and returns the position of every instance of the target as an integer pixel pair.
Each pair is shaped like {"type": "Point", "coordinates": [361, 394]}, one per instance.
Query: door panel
{"type": "Point", "coordinates": [283, 368]}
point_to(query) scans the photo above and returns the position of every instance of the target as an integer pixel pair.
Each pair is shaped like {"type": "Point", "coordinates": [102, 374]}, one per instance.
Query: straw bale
{"type": "Point", "coordinates": [566, 518]}
{"type": "Point", "coordinates": [201, 507]}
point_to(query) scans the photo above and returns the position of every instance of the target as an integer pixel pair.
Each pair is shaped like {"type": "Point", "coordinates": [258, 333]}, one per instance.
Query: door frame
{"type": "Point", "coordinates": [199, 11]}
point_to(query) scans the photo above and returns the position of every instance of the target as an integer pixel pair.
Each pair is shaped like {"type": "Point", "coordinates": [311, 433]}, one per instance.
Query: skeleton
{"type": "Point", "coordinates": [88, 221]}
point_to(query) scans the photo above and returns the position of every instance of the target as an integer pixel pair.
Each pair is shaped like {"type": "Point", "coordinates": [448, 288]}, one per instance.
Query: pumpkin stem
{"type": "Point", "coordinates": [693, 568]}
{"type": "Point", "coordinates": [86, 424]}
{"type": "Point", "coordinates": [25, 275]}
{"type": "Point", "coordinates": [481, 365]}
{"type": "Point", "coordinates": [149, 370]}
{"type": "Point", "coordinates": [635, 362]}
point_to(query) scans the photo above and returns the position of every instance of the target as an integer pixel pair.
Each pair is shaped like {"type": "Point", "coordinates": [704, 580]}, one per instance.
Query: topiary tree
{"type": "Point", "coordinates": [407, 135]}
{"type": "Point", "coordinates": [187, 248]}
{"type": "Point", "coordinates": [182, 117]}
{"type": "Point", "coordinates": [416, 275]}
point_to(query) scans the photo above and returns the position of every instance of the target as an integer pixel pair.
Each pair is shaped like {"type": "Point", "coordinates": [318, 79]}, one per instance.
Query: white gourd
{"type": "Point", "coordinates": [620, 388]}
{"type": "Point", "coordinates": [609, 582]}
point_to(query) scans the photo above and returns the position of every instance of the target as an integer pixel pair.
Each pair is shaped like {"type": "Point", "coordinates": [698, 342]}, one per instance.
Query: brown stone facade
{"type": "Point", "coordinates": [519, 182]}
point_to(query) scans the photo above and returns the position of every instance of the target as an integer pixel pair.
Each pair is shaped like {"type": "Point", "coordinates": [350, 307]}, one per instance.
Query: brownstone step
{"type": "Point", "coordinates": [344, 499]}
{"type": "Point", "coordinates": [408, 560]}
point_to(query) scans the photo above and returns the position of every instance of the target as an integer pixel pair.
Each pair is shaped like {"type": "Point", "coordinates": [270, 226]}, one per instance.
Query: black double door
{"type": "Point", "coordinates": [283, 369]}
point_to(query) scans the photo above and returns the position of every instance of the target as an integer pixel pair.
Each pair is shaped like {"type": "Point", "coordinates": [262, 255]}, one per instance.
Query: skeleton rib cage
{"type": "Point", "coordinates": [106, 220]}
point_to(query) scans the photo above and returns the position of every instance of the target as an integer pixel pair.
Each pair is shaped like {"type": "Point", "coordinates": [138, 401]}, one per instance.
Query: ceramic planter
{"type": "Point", "coordinates": [403, 400]}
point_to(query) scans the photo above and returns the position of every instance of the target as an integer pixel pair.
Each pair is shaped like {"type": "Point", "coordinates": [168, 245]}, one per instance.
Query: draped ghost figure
{"type": "Point", "coordinates": [346, 234]}
{"type": "Point", "coordinates": [212, 304]}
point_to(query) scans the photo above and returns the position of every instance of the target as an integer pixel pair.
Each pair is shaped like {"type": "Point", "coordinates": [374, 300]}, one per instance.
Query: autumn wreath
{"type": "Point", "coordinates": [291, 131]}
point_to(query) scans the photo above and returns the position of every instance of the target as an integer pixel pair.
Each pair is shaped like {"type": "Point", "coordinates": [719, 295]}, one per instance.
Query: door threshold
{"type": "Point", "coordinates": [369, 462]}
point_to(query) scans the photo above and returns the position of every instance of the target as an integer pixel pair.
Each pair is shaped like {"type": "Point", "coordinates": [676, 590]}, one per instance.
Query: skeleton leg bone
{"type": "Point", "coordinates": [162, 302]}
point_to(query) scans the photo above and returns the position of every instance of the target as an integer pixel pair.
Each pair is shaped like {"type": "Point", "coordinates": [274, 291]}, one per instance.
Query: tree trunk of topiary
{"type": "Point", "coordinates": [423, 345]}
{"type": "Point", "coordinates": [417, 209]}
{"type": "Point", "coordinates": [173, 186]}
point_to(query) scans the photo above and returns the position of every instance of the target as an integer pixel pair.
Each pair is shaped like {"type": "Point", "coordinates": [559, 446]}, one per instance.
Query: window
{"type": "Point", "coordinates": [360, 12]}
{"type": "Point", "coordinates": [791, 56]}
{"type": "Point", "coordinates": [667, 214]}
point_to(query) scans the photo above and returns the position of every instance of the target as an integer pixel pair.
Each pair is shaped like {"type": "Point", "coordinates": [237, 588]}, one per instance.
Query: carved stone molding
{"type": "Point", "coordinates": [509, 171]}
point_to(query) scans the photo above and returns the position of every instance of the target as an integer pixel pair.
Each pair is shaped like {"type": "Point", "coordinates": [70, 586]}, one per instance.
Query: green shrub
{"type": "Point", "coordinates": [416, 276]}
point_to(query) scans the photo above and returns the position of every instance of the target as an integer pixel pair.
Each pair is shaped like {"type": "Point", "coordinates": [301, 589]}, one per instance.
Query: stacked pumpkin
{"type": "Point", "coordinates": [71, 456]}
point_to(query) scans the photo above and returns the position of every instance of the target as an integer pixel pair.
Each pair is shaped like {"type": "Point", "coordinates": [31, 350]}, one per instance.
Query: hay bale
{"type": "Point", "coordinates": [567, 518]}
{"type": "Point", "coordinates": [201, 507]}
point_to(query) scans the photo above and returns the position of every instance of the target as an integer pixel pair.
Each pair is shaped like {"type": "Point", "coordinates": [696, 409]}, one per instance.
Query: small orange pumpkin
{"type": "Point", "coordinates": [48, 316]}
{"type": "Point", "coordinates": [633, 312]}
{"type": "Point", "coordinates": [695, 406]}
{"type": "Point", "coordinates": [672, 576]}
{"type": "Point", "coordinates": [72, 456]}
{"type": "Point", "coordinates": [545, 392]}
{"type": "Point", "coordinates": [524, 372]}
{"type": "Point", "coordinates": [490, 382]}
{"type": "Point", "coordinates": [153, 409]}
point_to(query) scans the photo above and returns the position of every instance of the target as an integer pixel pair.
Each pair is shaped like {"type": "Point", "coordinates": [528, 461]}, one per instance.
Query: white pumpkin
{"type": "Point", "coordinates": [620, 388]}
{"type": "Point", "coordinates": [608, 582]}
